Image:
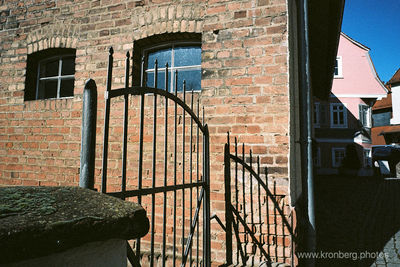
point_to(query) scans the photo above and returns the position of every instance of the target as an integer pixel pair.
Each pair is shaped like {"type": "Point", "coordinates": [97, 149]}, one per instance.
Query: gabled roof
{"type": "Point", "coordinates": [359, 77]}
{"type": "Point", "coordinates": [355, 42]}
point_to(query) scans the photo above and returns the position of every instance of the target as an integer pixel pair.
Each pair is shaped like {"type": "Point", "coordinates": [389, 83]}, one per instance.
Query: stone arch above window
{"type": "Point", "coordinates": [173, 47]}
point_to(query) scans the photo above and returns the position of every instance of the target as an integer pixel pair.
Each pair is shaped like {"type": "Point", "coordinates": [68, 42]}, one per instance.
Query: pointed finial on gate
{"type": "Point", "coordinates": [111, 50]}
{"type": "Point", "coordinates": [127, 54]}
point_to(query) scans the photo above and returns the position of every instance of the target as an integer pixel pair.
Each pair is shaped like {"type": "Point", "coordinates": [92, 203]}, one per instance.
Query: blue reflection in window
{"type": "Point", "coordinates": [163, 57]}
{"type": "Point", "coordinates": [192, 78]}
{"type": "Point", "coordinates": [187, 56]}
{"type": "Point", "coordinates": [186, 59]}
{"type": "Point", "coordinates": [160, 80]}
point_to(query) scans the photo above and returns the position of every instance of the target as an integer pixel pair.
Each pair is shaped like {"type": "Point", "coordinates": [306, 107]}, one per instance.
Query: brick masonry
{"type": "Point", "coordinates": [244, 84]}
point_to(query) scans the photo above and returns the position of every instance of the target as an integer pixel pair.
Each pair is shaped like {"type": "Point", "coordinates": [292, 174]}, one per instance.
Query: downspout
{"type": "Point", "coordinates": [307, 128]}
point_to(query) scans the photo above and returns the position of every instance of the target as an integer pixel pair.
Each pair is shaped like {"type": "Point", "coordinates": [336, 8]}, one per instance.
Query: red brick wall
{"type": "Point", "coordinates": [244, 86]}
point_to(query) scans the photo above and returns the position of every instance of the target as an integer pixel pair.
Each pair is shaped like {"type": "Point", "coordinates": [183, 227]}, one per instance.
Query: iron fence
{"type": "Point", "coordinates": [257, 228]}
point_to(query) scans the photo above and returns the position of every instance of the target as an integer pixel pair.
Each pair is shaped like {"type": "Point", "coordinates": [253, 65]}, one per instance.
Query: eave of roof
{"type": "Point", "coordinates": [325, 21]}
{"type": "Point", "coordinates": [355, 42]}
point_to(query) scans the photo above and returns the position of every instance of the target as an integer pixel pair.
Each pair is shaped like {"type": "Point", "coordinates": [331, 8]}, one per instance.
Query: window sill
{"type": "Point", "coordinates": [60, 98]}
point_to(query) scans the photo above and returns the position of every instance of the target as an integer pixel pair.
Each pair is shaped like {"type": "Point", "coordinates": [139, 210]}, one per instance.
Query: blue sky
{"type": "Point", "coordinates": [376, 24]}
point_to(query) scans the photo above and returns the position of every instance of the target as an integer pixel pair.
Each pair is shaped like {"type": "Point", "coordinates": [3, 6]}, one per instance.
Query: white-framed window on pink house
{"type": "Point", "coordinates": [338, 154]}
{"type": "Point", "coordinates": [338, 115]}
{"type": "Point", "coordinates": [338, 68]}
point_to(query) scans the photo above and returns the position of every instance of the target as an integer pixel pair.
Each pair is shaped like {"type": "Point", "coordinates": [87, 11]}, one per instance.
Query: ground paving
{"type": "Point", "coordinates": [358, 221]}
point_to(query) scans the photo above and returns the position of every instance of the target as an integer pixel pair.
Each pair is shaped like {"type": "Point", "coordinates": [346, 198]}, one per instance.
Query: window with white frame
{"type": "Point", "coordinates": [338, 115]}
{"type": "Point", "coordinates": [367, 157]}
{"type": "Point", "coordinates": [181, 57]}
{"type": "Point", "coordinates": [365, 115]}
{"type": "Point", "coordinates": [50, 74]}
{"type": "Point", "coordinates": [338, 154]}
{"type": "Point", "coordinates": [338, 68]}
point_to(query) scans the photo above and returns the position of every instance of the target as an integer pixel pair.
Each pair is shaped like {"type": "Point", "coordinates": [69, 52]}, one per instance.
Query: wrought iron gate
{"type": "Point", "coordinates": [261, 229]}
{"type": "Point", "coordinates": [158, 189]}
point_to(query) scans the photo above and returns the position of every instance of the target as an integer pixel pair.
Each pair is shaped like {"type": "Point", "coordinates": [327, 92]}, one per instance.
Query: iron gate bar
{"type": "Point", "coordinates": [283, 234]}
{"type": "Point", "coordinates": [126, 114]}
{"type": "Point", "coordinates": [189, 240]}
{"type": "Point", "coordinates": [106, 121]}
{"type": "Point", "coordinates": [153, 196]}
{"type": "Point", "coordinates": [251, 204]}
{"type": "Point", "coordinates": [197, 168]}
{"type": "Point", "coordinates": [237, 196]}
{"type": "Point", "coordinates": [244, 204]}
{"type": "Point", "coordinates": [259, 204]}
{"type": "Point", "coordinates": [267, 208]}
{"type": "Point", "coordinates": [228, 210]}
{"type": "Point", "coordinates": [183, 168]}
{"type": "Point", "coordinates": [140, 161]}
{"type": "Point", "coordinates": [175, 152]}
{"type": "Point", "coordinates": [191, 169]}
{"type": "Point", "coordinates": [165, 168]}
{"type": "Point", "coordinates": [275, 226]}
{"type": "Point", "coordinates": [206, 202]}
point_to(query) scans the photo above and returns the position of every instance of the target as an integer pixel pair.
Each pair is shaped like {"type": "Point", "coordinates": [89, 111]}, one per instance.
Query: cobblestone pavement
{"type": "Point", "coordinates": [358, 221]}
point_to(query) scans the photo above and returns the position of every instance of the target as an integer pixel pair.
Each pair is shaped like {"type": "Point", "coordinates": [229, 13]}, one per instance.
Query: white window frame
{"type": "Point", "coordinates": [339, 68]}
{"type": "Point", "coordinates": [57, 78]}
{"type": "Point", "coordinates": [340, 125]}
{"type": "Point", "coordinates": [336, 164]}
{"type": "Point", "coordinates": [368, 124]}
{"type": "Point", "coordinates": [172, 68]}
{"type": "Point", "coordinates": [367, 157]}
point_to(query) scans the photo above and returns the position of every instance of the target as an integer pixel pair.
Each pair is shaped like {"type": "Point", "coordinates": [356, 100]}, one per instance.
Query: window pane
{"type": "Point", "coordinates": [49, 68]}
{"type": "Point", "coordinates": [192, 78]}
{"type": "Point", "coordinates": [187, 56]}
{"type": "Point", "coordinates": [160, 80]}
{"type": "Point", "coordinates": [341, 118]}
{"type": "Point", "coordinates": [67, 87]}
{"type": "Point", "coordinates": [68, 66]}
{"type": "Point", "coordinates": [47, 89]}
{"type": "Point", "coordinates": [335, 118]}
{"type": "Point", "coordinates": [336, 67]}
{"type": "Point", "coordinates": [163, 56]}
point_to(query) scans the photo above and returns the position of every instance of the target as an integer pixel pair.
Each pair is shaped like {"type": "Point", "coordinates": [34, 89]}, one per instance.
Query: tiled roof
{"type": "Point", "coordinates": [395, 78]}
{"type": "Point", "coordinates": [385, 102]}
{"type": "Point", "coordinates": [377, 133]}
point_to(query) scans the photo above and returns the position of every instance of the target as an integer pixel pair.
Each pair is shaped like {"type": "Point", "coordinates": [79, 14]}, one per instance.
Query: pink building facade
{"type": "Point", "coordinates": [345, 119]}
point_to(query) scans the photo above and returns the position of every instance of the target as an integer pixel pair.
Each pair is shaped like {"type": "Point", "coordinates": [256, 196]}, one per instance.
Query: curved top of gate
{"type": "Point", "coordinates": [143, 90]}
